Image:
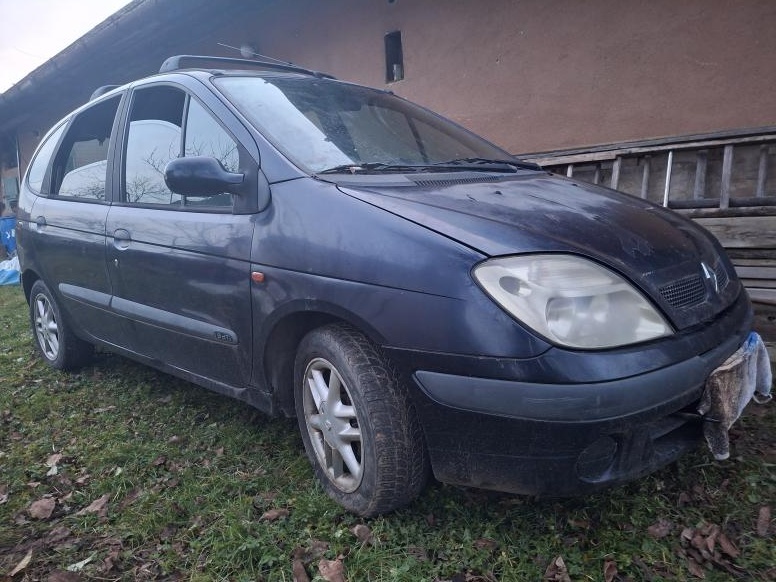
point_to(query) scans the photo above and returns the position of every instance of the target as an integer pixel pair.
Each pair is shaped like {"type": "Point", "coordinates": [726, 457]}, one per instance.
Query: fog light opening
{"type": "Point", "coordinates": [595, 462]}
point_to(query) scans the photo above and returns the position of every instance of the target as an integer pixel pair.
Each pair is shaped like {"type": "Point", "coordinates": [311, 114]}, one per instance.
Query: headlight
{"type": "Point", "coordinates": [571, 301]}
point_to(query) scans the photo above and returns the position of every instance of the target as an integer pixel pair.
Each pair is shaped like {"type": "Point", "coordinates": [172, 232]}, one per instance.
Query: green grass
{"type": "Point", "coordinates": [189, 474]}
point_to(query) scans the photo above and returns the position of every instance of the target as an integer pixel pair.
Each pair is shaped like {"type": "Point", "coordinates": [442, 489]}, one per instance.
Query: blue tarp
{"type": "Point", "coordinates": [8, 234]}
{"type": "Point", "coordinates": [9, 272]}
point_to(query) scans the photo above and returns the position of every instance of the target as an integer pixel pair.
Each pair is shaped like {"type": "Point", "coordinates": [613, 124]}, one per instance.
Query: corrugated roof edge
{"type": "Point", "coordinates": [51, 64]}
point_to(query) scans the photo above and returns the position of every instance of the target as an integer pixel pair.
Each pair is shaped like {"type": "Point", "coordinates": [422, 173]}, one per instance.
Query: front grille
{"type": "Point", "coordinates": [684, 292]}
{"type": "Point", "coordinates": [722, 276]}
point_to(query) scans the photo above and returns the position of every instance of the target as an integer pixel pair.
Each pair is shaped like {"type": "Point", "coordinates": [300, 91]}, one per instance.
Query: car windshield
{"type": "Point", "coordinates": [329, 126]}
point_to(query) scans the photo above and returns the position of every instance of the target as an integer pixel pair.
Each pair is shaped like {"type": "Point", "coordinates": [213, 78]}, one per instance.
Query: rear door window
{"type": "Point", "coordinates": [81, 164]}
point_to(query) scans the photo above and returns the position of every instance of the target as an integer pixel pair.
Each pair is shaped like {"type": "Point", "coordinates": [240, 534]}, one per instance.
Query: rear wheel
{"type": "Point", "coordinates": [359, 429]}
{"type": "Point", "coordinates": [54, 340]}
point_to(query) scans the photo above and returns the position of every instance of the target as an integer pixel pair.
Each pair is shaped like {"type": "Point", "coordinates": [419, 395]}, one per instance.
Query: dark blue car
{"type": "Point", "coordinates": [419, 299]}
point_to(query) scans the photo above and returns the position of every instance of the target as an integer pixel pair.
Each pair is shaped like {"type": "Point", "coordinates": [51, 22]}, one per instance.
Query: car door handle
{"type": "Point", "coordinates": [121, 238]}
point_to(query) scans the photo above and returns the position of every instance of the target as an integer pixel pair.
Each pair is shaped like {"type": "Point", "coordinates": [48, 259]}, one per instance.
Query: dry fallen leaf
{"type": "Point", "coordinates": [51, 463]}
{"type": "Point", "coordinates": [98, 506]}
{"type": "Point", "coordinates": [108, 564]}
{"type": "Point", "coordinates": [21, 565]}
{"type": "Point", "coordinates": [57, 534]}
{"type": "Point", "coordinates": [42, 509]}
{"type": "Point", "coordinates": [363, 533]}
{"type": "Point", "coordinates": [53, 460]}
{"type": "Point", "coordinates": [727, 546]}
{"type": "Point", "coordinates": [610, 570]}
{"type": "Point", "coordinates": [274, 514]}
{"type": "Point", "coordinates": [332, 570]}
{"type": "Point", "coordinates": [62, 576]}
{"type": "Point", "coordinates": [298, 572]}
{"type": "Point", "coordinates": [763, 520]}
{"type": "Point", "coordinates": [695, 568]}
{"type": "Point", "coordinates": [557, 571]}
{"type": "Point", "coordinates": [660, 529]}
{"type": "Point", "coordinates": [313, 552]}
{"type": "Point", "coordinates": [129, 499]}
{"type": "Point", "coordinates": [711, 541]}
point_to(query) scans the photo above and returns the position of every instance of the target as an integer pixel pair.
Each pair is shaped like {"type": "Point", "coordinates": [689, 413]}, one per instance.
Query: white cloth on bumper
{"type": "Point", "coordinates": [743, 376]}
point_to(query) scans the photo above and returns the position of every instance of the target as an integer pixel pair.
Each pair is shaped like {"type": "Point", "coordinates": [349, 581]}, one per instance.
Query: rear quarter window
{"type": "Point", "coordinates": [37, 172]}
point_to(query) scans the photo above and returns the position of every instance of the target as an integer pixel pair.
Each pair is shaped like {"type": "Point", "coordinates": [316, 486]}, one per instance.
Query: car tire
{"type": "Point", "coordinates": [54, 340]}
{"type": "Point", "coordinates": [359, 429]}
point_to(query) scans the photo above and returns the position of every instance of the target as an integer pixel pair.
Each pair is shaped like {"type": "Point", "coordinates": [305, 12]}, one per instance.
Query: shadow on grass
{"type": "Point", "coordinates": [149, 477]}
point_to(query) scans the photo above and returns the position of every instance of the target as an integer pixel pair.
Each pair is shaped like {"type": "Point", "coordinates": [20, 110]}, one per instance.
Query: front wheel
{"type": "Point", "coordinates": [359, 430]}
{"type": "Point", "coordinates": [53, 338]}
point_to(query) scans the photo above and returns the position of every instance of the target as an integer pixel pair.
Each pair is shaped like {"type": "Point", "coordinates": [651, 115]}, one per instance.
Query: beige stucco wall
{"type": "Point", "coordinates": [535, 75]}
{"type": "Point", "coordinates": [531, 75]}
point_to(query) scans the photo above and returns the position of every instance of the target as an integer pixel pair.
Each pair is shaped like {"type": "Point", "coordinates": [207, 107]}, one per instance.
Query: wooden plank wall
{"type": "Point", "coordinates": [751, 243]}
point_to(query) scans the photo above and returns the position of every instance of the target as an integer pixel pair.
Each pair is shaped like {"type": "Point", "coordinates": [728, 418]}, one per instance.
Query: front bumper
{"type": "Point", "coordinates": [565, 438]}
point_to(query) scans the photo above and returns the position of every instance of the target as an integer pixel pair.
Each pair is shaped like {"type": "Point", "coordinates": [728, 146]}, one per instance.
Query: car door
{"type": "Point", "coordinates": [68, 220]}
{"type": "Point", "coordinates": [179, 265]}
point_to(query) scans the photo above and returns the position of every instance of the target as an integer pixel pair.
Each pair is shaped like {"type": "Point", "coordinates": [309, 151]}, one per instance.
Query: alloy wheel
{"type": "Point", "coordinates": [46, 328]}
{"type": "Point", "coordinates": [333, 426]}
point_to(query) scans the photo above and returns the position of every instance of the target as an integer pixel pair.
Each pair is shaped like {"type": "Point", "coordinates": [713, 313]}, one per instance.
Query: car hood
{"type": "Point", "coordinates": [678, 264]}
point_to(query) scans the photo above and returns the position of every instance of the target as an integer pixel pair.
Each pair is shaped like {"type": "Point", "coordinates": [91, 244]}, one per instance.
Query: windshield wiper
{"type": "Point", "coordinates": [481, 164]}
{"type": "Point", "coordinates": [356, 168]}
{"type": "Point", "coordinates": [487, 164]}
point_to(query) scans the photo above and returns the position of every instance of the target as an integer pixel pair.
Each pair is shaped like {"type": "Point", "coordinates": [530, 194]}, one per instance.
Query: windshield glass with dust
{"type": "Point", "coordinates": [323, 125]}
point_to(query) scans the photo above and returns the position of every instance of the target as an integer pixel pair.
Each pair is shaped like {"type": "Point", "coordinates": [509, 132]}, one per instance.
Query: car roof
{"type": "Point", "coordinates": [265, 66]}
{"type": "Point", "coordinates": [197, 62]}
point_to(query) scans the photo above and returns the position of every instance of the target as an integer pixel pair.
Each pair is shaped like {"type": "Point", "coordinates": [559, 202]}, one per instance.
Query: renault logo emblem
{"type": "Point", "coordinates": [711, 276]}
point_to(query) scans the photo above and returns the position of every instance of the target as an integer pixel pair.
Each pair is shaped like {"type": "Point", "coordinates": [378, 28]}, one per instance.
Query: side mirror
{"type": "Point", "coordinates": [200, 176]}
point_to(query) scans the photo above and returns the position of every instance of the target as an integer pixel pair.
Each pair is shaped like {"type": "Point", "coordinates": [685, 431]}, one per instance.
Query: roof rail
{"type": "Point", "coordinates": [102, 90]}
{"type": "Point", "coordinates": [176, 63]}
